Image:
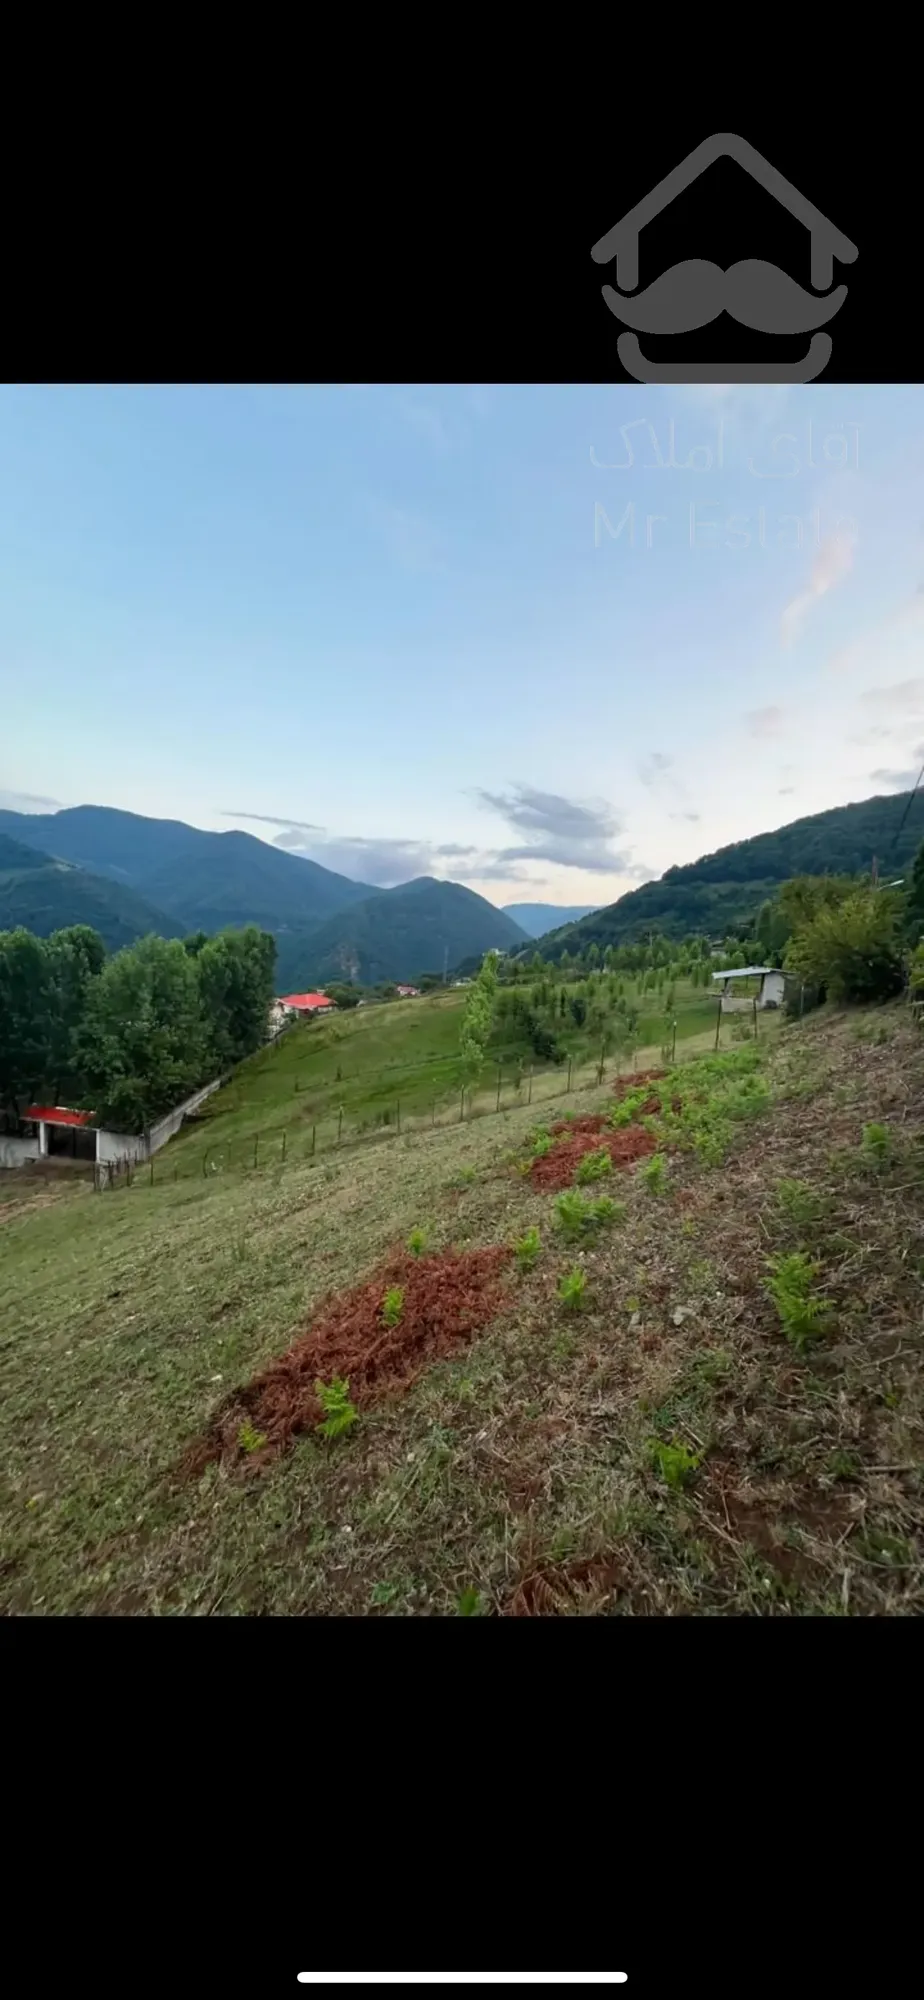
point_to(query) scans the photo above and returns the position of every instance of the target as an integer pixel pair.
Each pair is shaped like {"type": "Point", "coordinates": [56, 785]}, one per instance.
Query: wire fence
{"type": "Point", "coordinates": [278, 1146]}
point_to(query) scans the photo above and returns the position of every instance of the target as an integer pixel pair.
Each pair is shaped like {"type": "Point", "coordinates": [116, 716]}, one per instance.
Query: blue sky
{"type": "Point", "coordinates": [429, 629]}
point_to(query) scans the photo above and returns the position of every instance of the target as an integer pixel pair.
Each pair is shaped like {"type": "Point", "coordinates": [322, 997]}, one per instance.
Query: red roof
{"type": "Point", "coordinates": [306, 1000]}
{"type": "Point", "coordinates": [55, 1114]}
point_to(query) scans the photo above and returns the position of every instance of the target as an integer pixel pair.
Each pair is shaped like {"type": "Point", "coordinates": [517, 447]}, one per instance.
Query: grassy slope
{"type": "Point", "coordinates": [401, 1053]}
{"type": "Point", "coordinates": [525, 1463]}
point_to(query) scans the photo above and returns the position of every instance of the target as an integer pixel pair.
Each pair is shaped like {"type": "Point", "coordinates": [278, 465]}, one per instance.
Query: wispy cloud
{"type": "Point", "coordinates": [900, 781]}
{"type": "Point", "coordinates": [274, 819]}
{"type": "Point", "coordinates": [29, 802]}
{"type": "Point", "coordinates": [383, 863]}
{"type": "Point", "coordinates": [879, 643]}
{"type": "Point", "coordinates": [833, 561]}
{"type": "Point", "coordinates": [426, 420]}
{"type": "Point", "coordinates": [658, 775]}
{"type": "Point", "coordinates": [902, 699]}
{"type": "Point", "coordinates": [764, 722]}
{"type": "Point", "coordinates": [558, 829]}
{"type": "Point", "coordinates": [413, 541]}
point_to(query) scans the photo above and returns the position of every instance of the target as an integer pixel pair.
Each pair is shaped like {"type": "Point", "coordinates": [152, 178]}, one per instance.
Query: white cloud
{"type": "Point", "coordinates": [833, 561]}
{"type": "Point", "coordinates": [762, 722]}
{"type": "Point", "coordinates": [413, 541]}
{"type": "Point", "coordinates": [427, 422]}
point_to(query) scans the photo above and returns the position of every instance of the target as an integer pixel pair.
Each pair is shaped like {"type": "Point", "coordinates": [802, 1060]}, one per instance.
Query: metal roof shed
{"type": "Point", "coordinates": [769, 994]}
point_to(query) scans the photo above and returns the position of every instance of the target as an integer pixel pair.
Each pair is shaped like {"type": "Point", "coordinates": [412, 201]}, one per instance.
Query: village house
{"type": "Point", "coordinates": [56, 1132]}
{"type": "Point", "coordinates": [408, 992]}
{"type": "Point", "coordinates": [307, 1003]}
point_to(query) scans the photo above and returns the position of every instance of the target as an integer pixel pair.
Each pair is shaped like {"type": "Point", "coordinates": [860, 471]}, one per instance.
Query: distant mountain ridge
{"type": "Point", "coordinates": [537, 918]}
{"type": "Point", "coordinates": [724, 890]}
{"type": "Point", "coordinates": [201, 880]}
{"type": "Point", "coordinates": [418, 927]}
{"type": "Point", "coordinates": [44, 895]}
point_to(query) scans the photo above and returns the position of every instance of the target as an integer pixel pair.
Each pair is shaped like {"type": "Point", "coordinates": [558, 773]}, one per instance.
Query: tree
{"type": "Point", "coordinates": [144, 1043]}
{"type": "Point", "coordinates": [235, 974]}
{"type": "Point", "coordinates": [195, 942]}
{"type": "Point", "coordinates": [914, 903]}
{"type": "Point", "coordinates": [75, 957]}
{"type": "Point", "coordinates": [27, 1019]}
{"type": "Point", "coordinates": [851, 948]}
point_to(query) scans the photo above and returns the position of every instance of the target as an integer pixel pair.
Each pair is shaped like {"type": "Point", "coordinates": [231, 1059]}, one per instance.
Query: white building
{"type": "Point", "coordinates": [768, 992]}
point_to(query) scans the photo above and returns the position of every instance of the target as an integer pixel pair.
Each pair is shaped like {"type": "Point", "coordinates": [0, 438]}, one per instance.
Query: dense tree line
{"type": "Point", "coordinates": [131, 1035]}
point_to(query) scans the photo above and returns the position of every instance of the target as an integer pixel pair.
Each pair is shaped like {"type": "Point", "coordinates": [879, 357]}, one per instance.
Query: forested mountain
{"type": "Point", "coordinates": [202, 880]}
{"type": "Point", "coordinates": [537, 918]}
{"type": "Point", "coordinates": [43, 896]}
{"type": "Point", "coordinates": [398, 934]}
{"type": "Point", "coordinates": [724, 890]}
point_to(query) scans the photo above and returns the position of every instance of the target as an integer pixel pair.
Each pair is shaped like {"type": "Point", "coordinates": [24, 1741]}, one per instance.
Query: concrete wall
{"type": "Point", "coordinates": [113, 1146]}
{"type": "Point", "coordinates": [17, 1152]}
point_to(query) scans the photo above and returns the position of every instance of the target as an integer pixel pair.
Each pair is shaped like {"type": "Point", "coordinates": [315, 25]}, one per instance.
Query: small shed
{"type": "Point", "coordinates": [767, 987]}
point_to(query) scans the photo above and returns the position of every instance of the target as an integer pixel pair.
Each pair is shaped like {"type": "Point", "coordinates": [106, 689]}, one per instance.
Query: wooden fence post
{"type": "Point", "coordinates": [255, 1146]}
{"type": "Point", "coordinates": [283, 1146]}
{"type": "Point", "coordinates": [718, 1021]}
{"type": "Point", "coordinates": [152, 1172]}
{"type": "Point", "coordinates": [568, 1085]}
{"type": "Point", "coordinates": [462, 1105]}
{"type": "Point", "coordinates": [529, 1094]}
{"type": "Point", "coordinates": [755, 1017]}
{"type": "Point", "coordinates": [602, 1060]}
{"type": "Point", "coordinates": [339, 1124]}
{"type": "Point", "coordinates": [801, 998]}
{"type": "Point", "coordinates": [497, 1103]}
{"type": "Point", "coordinates": [674, 1045]}
{"type": "Point", "coordinates": [314, 1134]}
{"type": "Point", "coordinates": [399, 1114]}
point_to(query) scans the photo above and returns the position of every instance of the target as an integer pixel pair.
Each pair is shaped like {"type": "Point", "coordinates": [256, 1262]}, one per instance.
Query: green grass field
{"type": "Point", "coordinates": [327, 1083]}
{"type": "Point", "coordinates": [663, 1448]}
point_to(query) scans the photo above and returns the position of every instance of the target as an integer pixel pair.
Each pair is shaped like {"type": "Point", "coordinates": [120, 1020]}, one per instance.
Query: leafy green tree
{"type": "Point", "coordinates": [27, 1019]}
{"type": "Point", "coordinates": [235, 974]}
{"type": "Point", "coordinates": [195, 942]}
{"type": "Point", "coordinates": [914, 904]}
{"type": "Point", "coordinates": [851, 949]}
{"type": "Point", "coordinates": [75, 957]}
{"type": "Point", "coordinates": [144, 1044]}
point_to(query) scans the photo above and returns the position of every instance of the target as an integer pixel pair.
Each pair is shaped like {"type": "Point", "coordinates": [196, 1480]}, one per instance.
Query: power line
{"type": "Point", "coordinates": [911, 798]}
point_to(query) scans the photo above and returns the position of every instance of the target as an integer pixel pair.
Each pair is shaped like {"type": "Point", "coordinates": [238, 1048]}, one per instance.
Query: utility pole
{"type": "Point", "coordinates": [445, 962]}
{"type": "Point", "coordinates": [874, 872]}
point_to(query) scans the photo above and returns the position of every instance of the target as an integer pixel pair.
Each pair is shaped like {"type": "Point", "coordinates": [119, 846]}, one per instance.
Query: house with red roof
{"type": "Point", "coordinates": [308, 1003]}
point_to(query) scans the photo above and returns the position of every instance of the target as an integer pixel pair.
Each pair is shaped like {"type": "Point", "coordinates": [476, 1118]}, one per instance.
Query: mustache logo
{"type": "Point", "coordinates": [756, 294]}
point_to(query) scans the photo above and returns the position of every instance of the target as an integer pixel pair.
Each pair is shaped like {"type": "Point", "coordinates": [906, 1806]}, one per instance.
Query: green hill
{"type": "Point", "coordinates": [537, 918]}
{"type": "Point", "coordinates": [203, 880]}
{"type": "Point", "coordinates": [45, 896]}
{"type": "Point", "coordinates": [398, 934]}
{"type": "Point", "coordinates": [724, 890]}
